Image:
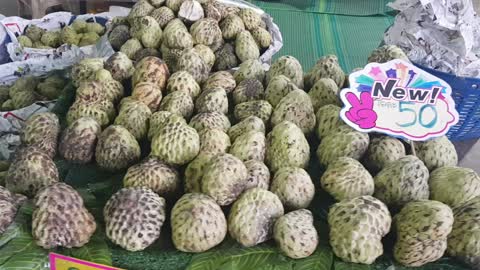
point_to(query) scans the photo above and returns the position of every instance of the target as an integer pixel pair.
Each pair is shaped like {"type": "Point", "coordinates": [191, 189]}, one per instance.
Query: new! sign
{"type": "Point", "coordinates": [398, 99]}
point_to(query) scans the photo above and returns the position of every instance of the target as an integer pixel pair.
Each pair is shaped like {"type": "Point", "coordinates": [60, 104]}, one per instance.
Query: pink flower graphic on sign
{"type": "Point", "coordinates": [361, 111]}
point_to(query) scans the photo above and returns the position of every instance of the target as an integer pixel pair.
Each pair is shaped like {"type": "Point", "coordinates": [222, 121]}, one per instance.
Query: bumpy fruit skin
{"type": "Point", "coordinates": [118, 36]}
{"type": "Point", "coordinates": [176, 35]}
{"type": "Point", "coordinates": [223, 79]}
{"type": "Point", "coordinates": [176, 143]}
{"type": "Point", "coordinates": [253, 216]}
{"type": "Point", "coordinates": [60, 219]}
{"type": "Point", "coordinates": [402, 181]}
{"type": "Point", "coordinates": [250, 69]}
{"type": "Point", "coordinates": [151, 69]}
{"type": "Point", "coordinates": [294, 187]}
{"type": "Point", "coordinates": [464, 240]}
{"type": "Point", "coordinates": [288, 66]}
{"type": "Point", "coordinates": [198, 223]}
{"type": "Point", "coordinates": [224, 179]}
{"type": "Point", "coordinates": [9, 204]}
{"type": "Point", "coordinates": [159, 119]}
{"type": "Point", "coordinates": [248, 90]}
{"type": "Point", "coordinates": [287, 147]}
{"type": "Point", "coordinates": [134, 217]}
{"type": "Point", "coordinates": [258, 174]}
{"type": "Point", "coordinates": [207, 32]}
{"type": "Point", "coordinates": [345, 141]}
{"type": "Point", "coordinates": [225, 57]}
{"type": "Point", "coordinates": [131, 47]}
{"type": "Point", "coordinates": [82, 109]}
{"type": "Point", "coordinates": [324, 92]}
{"type": "Point", "coordinates": [326, 67]}
{"type": "Point", "coordinates": [250, 18]}
{"type": "Point", "coordinates": [454, 185]}
{"type": "Point", "coordinates": [149, 94]}
{"type": "Point", "coordinates": [148, 31]}
{"type": "Point", "coordinates": [214, 141]}
{"type": "Point", "coordinates": [346, 178]}
{"type": "Point", "coordinates": [357, 227]}
{"type": "Point", "coordinates": [297, 108]}
{"type": "Point", "coordinates": [163, 16]}
{"type": "Point", "coordinates": [178, 102]}
{"type": "Point", "coordinates": [195, 170]}
{"type": "Point", "coordinates": [34, 32]}
{"type": "Point", "coordinates": [259, 108]}
{"type": "Point", "coordinates": [116, 149]}
{"type": "Point", "coordinates": [245, 47]}
{"type": "Point", "coordinates": [212, 100]}
{"type": "Point", "coordinates": [231, 26]}
{"type": "Point", "coordinates": [25, 41]}
{"type": "Point", "coordinates": [42, 130]}
{"type": "Point", "coordinates": [85, 69]}
{"type": "Point", "coordinates": [295, 234]}
{"type": "Point", "coordinates": [386, 53]}
{"type": "Point", "coordinates": [422, 228]}
{"type": "Point", "coordinates": [140, 9]}
{"type": "Point", "coordinates": [120, 66]}
{"type": "Point", "coordinates": [248, 124]}
{"type": "Point", "coordinates": [250, 145]}
{"type": "Point", "coordinates": [278, 87]}
{"type": "Point", "coordinates": [174, 4]}
{"type": "Point", "coordinates": [183, 81]}
{"type": "Point", "coordinates": [51, 39]}
{"type": "Point", "coordinates": [381, 151]}
{"type": "Point", "coordinates": [23, 99]}
{"type": "Point", "coordinates": [213, 120]}
{"type": "Point", "coordinates": [134, 118]}
{"type": "Point", "coordinates": [155, 175]}
{"type": "Point", "coordinates": [146, 53]}
{"type": "Point", "coordinates": [30, 171]}
{"type": "Point", "coordinates": [263, 38]}
{"type": "Point", "coordinates": [328, 120]}
{"type": "Point", "coordinates": [193, 63]}
{"type": "Point", "coordinates": [436, 153]}
{"type": "Point", "coordinates": [78, 141]}
{"type": "Point", "coordinates": [95, 28]}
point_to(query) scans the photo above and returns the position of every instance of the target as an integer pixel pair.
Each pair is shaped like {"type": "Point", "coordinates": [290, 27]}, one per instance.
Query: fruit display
{"type": "Point", "coordinates": [199, 159]}
{"type": "Point", "coordinates": [79, 33]}
{"type": "Point", "coordinates": [28, 89]}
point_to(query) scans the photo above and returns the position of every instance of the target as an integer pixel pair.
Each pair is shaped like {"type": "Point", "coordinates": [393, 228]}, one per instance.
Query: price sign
{"type": "Point", "coordinates": [60, 262]}
{"type": "Point", "coordinates": [398, 99]}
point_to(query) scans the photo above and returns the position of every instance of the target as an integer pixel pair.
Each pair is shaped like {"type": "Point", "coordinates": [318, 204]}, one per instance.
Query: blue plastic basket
{"type": "Point", "coordinates": [466, 93]}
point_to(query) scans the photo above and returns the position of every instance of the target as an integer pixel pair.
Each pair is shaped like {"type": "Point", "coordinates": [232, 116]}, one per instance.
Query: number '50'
{"type": "Point", "coordinates": [417, 117]}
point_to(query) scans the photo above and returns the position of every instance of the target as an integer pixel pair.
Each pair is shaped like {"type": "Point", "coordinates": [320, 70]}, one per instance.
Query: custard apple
{"type": "Point", "coordinates": [34, 32]}
{"type": "Point", "coordinates": [288, 66]}
{"type": "Point", "coordinates": [294, 187]}
{"type": "Point", "coordinates": [262, 37]}
{"type": "Point", "coordinates": [141, 8]}
{"type": "Point", "coordinates": [120, 66]}
{"type": "Point", "coordinates": [42, 130]}
{"type": "Point", "coordinates": [207, 55]}
{"type": "Point", "coordinates": [249, 124]}
{"type": "Point", "coordinates": [386, 53]}
{"type": "Point", "coordinates": [212, 100]}
{"type": "Point", "coordinates": [259, 108]}
{"type": "Point", "coordinates": [193, 63]}
{"type": "Point", "coordinates": [328, 121]}
{"type": "Point", "coordinates": [223, 79]}
{"type": "Point", "coordinates": [258, 174]}
{"type": "Point", "coordinates": [149, 94]}
{"type": "Point", "coordinates": [225, 58]}
{"type": "Point", "coordinates": [324, 92]}
{"type": "Point", "coordinates": [250, 145]}
{"type": "Point", "coordinates": [250, 18]}
{"type": "Point", "coordinates": [183, 81]}
{"type": "Point", "coordinates": [250, 69]}
{"type": "Point", "coordinates": [326, 67]}
{"type": "Point", "coordinates": [151, 69]}
{"type": "Point", "coordinates": [78, 141]}
{"type": "Point", "coordinates": [195, 170]}
{"type": "Point", "coordinates": [381, 151]}
{"type": "Point", "coordinates": [231, 26]}
{"type": "Point", "coordinates": [214, 141]}
{"type": "Point", "coordinates": [9, 204]}
{"type": "Point", "coordinates": [245, 47]}
{"type": "Point", "coordinates": [134, 118]}
{"type": "Point", "coordinates": [116, 149]}
{"type": "Point", "coordinates": [178, 102]}
{"type": "Point", "coordinates": [213, 120]}
{"type": "Point", "coordinates": [248, 90]}
{"type": "Point", "coordinates": [119, 35]}
{"type": "Point", "coordinates": [163, 16]}
{"type": "Point", "coordinates": [278, 87]}
{"type": "Point", "coordinates": [436, 153]}
{"type": "Point", "coordinates": [297, 108]}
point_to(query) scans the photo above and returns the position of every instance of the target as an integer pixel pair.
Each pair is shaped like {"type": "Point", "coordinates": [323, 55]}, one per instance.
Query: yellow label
{"type": "Point", "coordinates": [61, 262]}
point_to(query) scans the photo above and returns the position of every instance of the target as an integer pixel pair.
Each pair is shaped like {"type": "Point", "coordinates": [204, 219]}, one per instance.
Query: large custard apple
{"type": "Point", "coordinates": [42, 130]}
{"type": "Point", "coordinates": [278, 87]}
{"type": "Point", "coordinates": [146, 52]}
{"type": "Point", "coordinates": [262, 37]}
{"type": "Point", "coordinates": [324, 92]}
{"type": "Point", "coordinates": [34, 32]}
{"type": "Point", "coordinates": [225, 57]}
{"type": "Point", "coordinates": [206, 31]}
{"type": "Point", "coordinates": [248, 90]}
{"type": "Point", "coordinates": [212, 100]}
{"type": "Point", "coordinates": [248, 124]}
{"type": "Point", "coordinates": [295, 234]}
{"type": "Point", "coordinates": [60, 218]}
{"type": "Point", "coordinates": [259, 108]}
{"type": "Point", "coordinates": [297, 108]}
{"type": "Point", "coordinates": [250, 69]}
{"type": "Point", "coordinates": [253, 216]}
{"type": "Point", "coordinates": [118, 36]}
{"type": "Point", "coordinates": [454, 185]}
{"type": "Point", "coordinates": [31, 170]}
{"type": "Point", "coordinates": [245, 46]}
{"type": "Point", "coordinates": [402, 181]}
{"type": "Point", "coordinates": [78, 141]}
{"type": "Point", "coordinates": [193, 63]}
{"type": "Point", "coordinates": [287, 147]}
{"type": "Point", "coordinates": [134, 118]}
{"type": "Point", "coordinates": [148, 31]}
{"type": "Point", "coordinates": [198, 223]}
{"type": "Point", "coordinates": [386, 53]}
{"type": "Point", "coordinates": [159, 119]}
{"type": "Point", "coordinates": [326, 67]}
{"type": "Point", "coordinates": [224, 179]}
{"type": "Point", "coordinates": [195, 170]}
{"type": "Point", "coordinates": [68, 35]}
{"type": "Point", "coordinates": [151, 69]}
{"type": "Point", "coordinates": [346, 178]}
{"type": "Point", "coordinates": [183, 81]}
{"type": "Point", "coordinates": [163, 16]}
{"type": "Point", "coordinates": [52, 39]}
{"type": "Point", "coordinates": [149, 94]}
{"type": "Point", "coordinates": [85, 69]}
{"type": "Point", "coordinates": [258, 174]}
{"type": "Point", "coordinates": [212, 120]}
{"type": "Point", "coordinates": [176, 143]}
{"type": "Point", "coordinates": [141, 8]}
{"type": "Point", "coordinates": [464, 240]}
{"type": "Point", "coordinates": [250, 145]}
{"type": "Point", "coordinates": [155, 175]}
{"type": "Point", "coordinates": [25, 41]}
{"type": "Point", "coordinates": [357, 227]}
{"type": "Point", "coordinates": [131, 47]}
{"type": "Point", "coordinates": [250, 18]}
{"type": "Point", "coordinates": [422, 229]}
{"type": "Point", "coordinates": [176, 35]}
{"type": "Point", "coordinates": [231, 26]}
{"type": "Point", "coordinates": [436, 153]}
{"type": "Point", "coordinates": [344, 142]}
{"type": "Point", "coordinates": [120, 66]}
{"type": "Point", "coordinates": [381, 151]}
{"type": "Point", "coordinates": [288, 66]}
{"type": "Point", "coordinates": [223, 79]}
{"type": "Point", "coordinates": [328, 120]}
{"type": "Point", "coordinates": [116, 149]}
{"type": "Point", "coordinates": [214, 141]}
{"type": "Point", "coordinates": [178, 102]}
{"type": "Point", "coordinates": [134, 217]}
{"type": "Point", "coordinates": [9, 203]}
{"type": "Point", "coordinates": [82, 109]}
{"type": "Point", "coordinates": [294, 187]}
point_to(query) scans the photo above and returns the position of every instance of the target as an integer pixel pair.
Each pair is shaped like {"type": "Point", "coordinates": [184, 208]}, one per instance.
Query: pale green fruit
{"type": "Point", "coordinates": [249, 146]}
{"type": "Point", "coordinates": [214, 141]}
{"type": "Point", "coordinates": [436, 153]}
{"type": "Point", "coordinates": [223, 79]}
{"type": "Point", "coordinates": [297, 108]}
{"type": "Point", "coordinates": [245, 47]}
{"type": "Point", "coordinates": [288, 66]}
{"type": "Point", "coordinates": [278, 87]}
{"type": "Point", "coordinates": [326, 67]}
{"type": "Point", "coordinates": [212, 120]}
{"type": "Point", "coordinates": [116, 149]}
{"type": "Point", "coordinates": [294, 187]}
{"type": "Point", "coordinates": [324, 92]}
{"type": "Point", "coordinates": [250, 69]}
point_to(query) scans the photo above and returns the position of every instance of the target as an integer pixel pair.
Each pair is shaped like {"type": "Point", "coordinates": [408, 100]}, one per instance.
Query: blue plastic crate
{"type": "Point", "coordinates": [466, 93]}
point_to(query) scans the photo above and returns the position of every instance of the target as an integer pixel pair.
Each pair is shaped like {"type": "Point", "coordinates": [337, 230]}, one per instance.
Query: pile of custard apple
{"type": "Point", "coordinates": [228, 155]}
{"type": "Point", "coordinates": [217, 36]}
{"type": "Point", "coordinates": [27, 90]}
{"type": "Point", "coordinates": [80, 33]}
